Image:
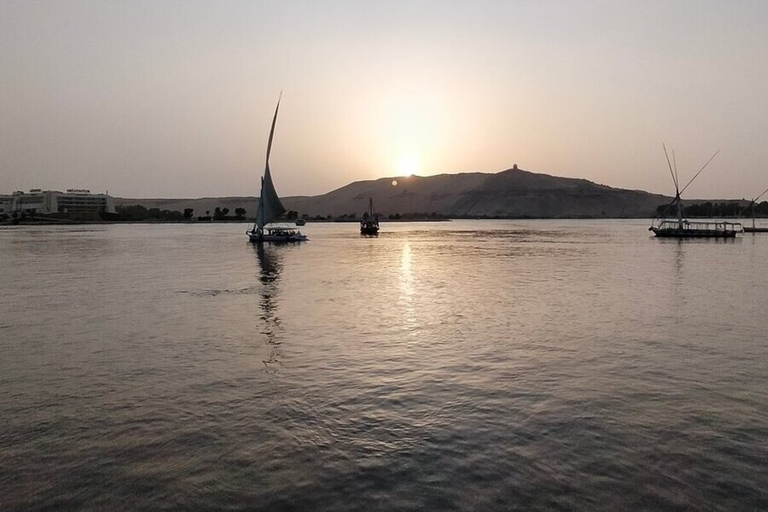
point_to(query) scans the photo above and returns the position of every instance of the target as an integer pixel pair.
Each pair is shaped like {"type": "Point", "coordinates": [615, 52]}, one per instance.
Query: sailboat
{"type": "Point", "coordinates": [370, 224]}
{"type": "Point", "coordinates": [754, 229]}
{"type": "Point", "coordinates": [270, 208]}
{"type": "Point", "coordinates": [682, 227]}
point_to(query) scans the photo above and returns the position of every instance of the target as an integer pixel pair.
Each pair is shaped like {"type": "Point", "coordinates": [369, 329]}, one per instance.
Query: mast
{"type": "Point", "coordinates": [678, 200]}
{"type": "Point", "coordinates": [260, 214]}
{"type": "Point", "coordinates": [673, 171]}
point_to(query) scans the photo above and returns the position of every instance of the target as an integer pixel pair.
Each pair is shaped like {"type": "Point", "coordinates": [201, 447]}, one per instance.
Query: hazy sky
{"type": "Point", "coordinates": [159, 98]}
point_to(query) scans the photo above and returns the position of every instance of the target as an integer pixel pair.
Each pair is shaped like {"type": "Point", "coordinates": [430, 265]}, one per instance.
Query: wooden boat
{"type": "Point", "coordinates": [753, 228]}
{"type": "Point", "coordinates": [270, 208]}
{"type": "Point", "coordinates": [696, 229]}
{"type": "Point", "coordinates": [369, 225]}
{"type": "Point", "coordinates": [682, 227]}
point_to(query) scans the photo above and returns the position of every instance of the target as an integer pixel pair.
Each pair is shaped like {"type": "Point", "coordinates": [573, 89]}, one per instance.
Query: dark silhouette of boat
{"type": "Point", "coordinates": [369, 225]}
{"type": "Point", "coordinates": [687, 229]}
{"type": "Point", "coordinates": [753, 228]}
{"type": "Point", "coordinates": [682, 227]}
{"type": "Point", "coordinates": [270, 208]}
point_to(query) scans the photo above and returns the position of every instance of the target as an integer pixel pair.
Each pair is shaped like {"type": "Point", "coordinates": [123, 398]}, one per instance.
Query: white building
{"type": "Point", "coordinates": [73, 201]}
{"type": "Point", "coordinates": [7, 204]}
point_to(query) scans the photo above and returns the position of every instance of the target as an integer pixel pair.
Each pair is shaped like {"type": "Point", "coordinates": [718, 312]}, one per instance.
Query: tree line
{"type": "Point", "coordinates": [138, 213]}
{"type": "Point", "coordinates": [221, 214]}
{"type": "Point", "coordinates": [722, 209]}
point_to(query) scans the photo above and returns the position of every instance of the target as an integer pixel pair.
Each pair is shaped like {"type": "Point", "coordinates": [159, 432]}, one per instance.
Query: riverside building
{"type": "Point", "coordinates": [72, 203]}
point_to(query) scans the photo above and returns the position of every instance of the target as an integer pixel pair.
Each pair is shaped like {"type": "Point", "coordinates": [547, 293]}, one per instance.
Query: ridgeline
{"type": "Point", "coordinates": [513, 193]}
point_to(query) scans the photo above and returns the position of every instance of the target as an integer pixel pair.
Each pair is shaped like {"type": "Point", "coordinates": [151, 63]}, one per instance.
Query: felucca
{"type": "Point", "coordinates": [270, 208]}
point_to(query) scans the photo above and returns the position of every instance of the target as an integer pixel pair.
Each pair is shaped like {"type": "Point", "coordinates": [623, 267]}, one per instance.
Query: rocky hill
{"type": "Point", "coordinates": [513, 193]}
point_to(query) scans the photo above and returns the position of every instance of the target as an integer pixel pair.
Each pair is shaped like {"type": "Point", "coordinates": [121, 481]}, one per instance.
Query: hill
{"type": "Point", "coordinates": [513, 193]}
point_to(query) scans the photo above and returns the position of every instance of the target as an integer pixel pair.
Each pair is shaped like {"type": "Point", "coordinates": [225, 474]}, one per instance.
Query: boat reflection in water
{"type": "Point", "coordinates": [270, 267]}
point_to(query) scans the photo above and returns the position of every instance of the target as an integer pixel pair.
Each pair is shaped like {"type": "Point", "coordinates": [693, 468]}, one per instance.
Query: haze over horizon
{"type": "Point", "coordinates": [174, 99]}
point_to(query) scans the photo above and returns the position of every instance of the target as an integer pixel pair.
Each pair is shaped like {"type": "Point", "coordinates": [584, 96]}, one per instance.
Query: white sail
{"type": "Point", "coordinates": [270, 208]}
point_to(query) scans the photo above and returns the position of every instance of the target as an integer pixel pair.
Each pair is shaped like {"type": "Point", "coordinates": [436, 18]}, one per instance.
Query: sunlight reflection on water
{"type": "Point", "coordinates": [407, 290]}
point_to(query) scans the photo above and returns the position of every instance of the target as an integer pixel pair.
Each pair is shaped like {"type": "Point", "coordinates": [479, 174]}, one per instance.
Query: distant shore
{"type": "Point", "coordinates": [66, 222]}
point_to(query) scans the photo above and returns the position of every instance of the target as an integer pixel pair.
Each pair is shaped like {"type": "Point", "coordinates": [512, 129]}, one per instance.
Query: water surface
{"type": "Point", "coordinates": [466, 365]}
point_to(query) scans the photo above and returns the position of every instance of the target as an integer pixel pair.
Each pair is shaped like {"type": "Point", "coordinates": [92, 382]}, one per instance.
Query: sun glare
{"type": "Point", "coordinates": [409, 124]}
{"type": "Point", "coordinates": [407, 165]}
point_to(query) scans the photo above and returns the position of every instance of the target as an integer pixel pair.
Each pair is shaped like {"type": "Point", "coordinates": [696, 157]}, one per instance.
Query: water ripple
{"type": "Point", "coordinates": [470, 365]}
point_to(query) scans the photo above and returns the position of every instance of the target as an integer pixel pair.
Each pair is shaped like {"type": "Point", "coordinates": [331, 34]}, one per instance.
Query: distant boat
{"type": "Point", "coordinates": [270, 208]}
{"type": "Point", "coordinates": [754, 229]}
{"type": "Point", "coordinates": [300, 222]}
{"type": "Point", "coordinates": [369, 225]}
{"type": "Point", "coordinates": [682, 227]}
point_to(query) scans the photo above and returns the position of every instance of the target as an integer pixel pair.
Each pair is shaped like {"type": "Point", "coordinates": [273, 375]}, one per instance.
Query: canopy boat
{"type": "Point", "coordinates": [682, 227]}
{"type": "Point", "coordinates": [751, 206]}
{"type": "Point", "coordinates": [270, 208]}
{"type": "Point", "coordinates": [676, 228]}
{"type": "Point", "coordinates": [369, 225]}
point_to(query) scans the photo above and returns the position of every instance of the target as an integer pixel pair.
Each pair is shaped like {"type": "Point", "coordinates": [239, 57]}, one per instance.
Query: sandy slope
{"type": "Point", "coordinates": [510, 193]}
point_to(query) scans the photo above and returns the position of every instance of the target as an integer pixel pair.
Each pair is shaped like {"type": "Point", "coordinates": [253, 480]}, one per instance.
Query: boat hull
{"type": "Point", "coordinates": [692, 233]}
{"type": "Point", "coordinates": [696, 229]}
{"type": "Point", "coordinates": [277, 237]}
{"type": "Point", "coordinates": [755, 230]}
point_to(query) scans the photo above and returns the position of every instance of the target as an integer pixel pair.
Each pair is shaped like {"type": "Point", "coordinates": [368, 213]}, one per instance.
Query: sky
{"type": "Point", "coordinates": [160, 98]}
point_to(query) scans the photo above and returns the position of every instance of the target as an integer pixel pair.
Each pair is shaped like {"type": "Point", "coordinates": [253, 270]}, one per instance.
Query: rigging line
{"type": "Point", "coordinates": [674, 162]}
{"type": "Point", "coordinates": [702, 168]}
{"type": "Point", "coordinates": [666, 209]}
{"type": "Point", "coordinates": [758, 197]}
{"type": "Point", "coordinates": [753, 202]}
{"type": "Point", "coordinates": [674, 180]}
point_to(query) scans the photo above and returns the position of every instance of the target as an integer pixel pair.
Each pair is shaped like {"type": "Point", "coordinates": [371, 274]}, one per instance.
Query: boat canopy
{"type": "Point", "coordinates": [675, 224]}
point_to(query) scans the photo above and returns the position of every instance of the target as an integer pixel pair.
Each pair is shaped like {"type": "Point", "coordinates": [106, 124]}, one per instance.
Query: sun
{"type": "Point", "coordinates": [407, 165]}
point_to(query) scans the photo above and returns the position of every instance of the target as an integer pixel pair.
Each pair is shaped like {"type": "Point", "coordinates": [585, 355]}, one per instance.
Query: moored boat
{"type": "Point", "coordinates": [751, 207]}
{"type": "Point", "coordinates": [682, 227]}
{"type": "Point", "coordinates": [674, 228]}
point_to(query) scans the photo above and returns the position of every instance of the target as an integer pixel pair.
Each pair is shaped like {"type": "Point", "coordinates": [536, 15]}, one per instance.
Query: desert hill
{"type": "Point", "coordinates": [512, 193]}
